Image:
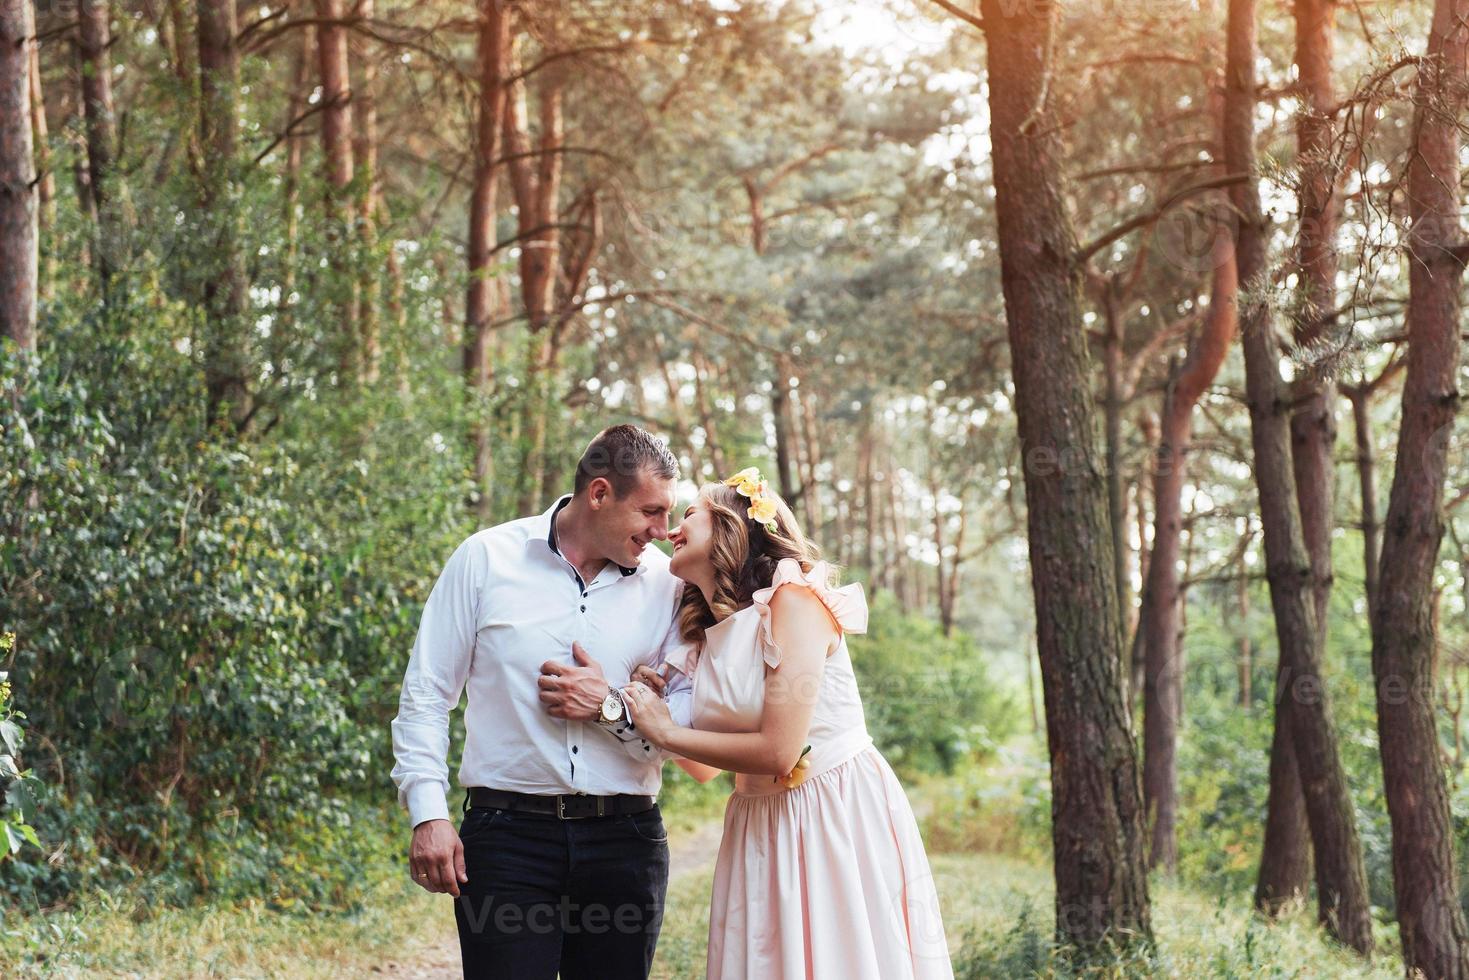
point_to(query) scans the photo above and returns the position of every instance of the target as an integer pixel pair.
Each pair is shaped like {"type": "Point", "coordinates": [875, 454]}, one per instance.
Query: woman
{"type": "Point", "coordinates": [821, 870]}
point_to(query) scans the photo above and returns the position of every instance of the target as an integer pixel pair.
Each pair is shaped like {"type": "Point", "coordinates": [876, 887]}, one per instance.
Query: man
{"type": "Point", "coordinates": [560, 864]}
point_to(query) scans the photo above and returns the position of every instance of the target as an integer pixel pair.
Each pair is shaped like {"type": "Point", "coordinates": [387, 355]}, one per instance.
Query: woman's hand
{"type": "Point", "coordinates": [650, 713]}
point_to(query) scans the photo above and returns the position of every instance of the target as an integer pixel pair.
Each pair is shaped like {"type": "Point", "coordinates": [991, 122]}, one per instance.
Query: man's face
{"type": "Point", "coordinates": [623, 526]}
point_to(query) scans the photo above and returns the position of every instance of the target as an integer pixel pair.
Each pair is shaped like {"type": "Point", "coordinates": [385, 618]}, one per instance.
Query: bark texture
{"type": "Point", "coordinates": [226, 290]}
{"type": "Point", "coordinates": [19, 212]}
{"type": "Point", "coordinates": [1096, 810]}
{"type": "Point", "coordinates": [1163, 677]}
{"type": "Point", "coordinates": [1302, 705]}
{"type": "Point", "coordinates": [1404, 634]}
{"type": "Point", "coordinates": [480, 297]}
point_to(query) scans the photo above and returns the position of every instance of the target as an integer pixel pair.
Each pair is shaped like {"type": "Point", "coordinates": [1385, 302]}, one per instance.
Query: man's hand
{"type": "Point", "coordinates": [436, 857]}
{"type": "Point", "coordinates": [576, 692]}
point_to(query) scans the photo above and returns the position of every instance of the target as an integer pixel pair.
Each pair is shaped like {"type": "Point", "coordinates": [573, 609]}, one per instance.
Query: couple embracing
{"type": "Point", "coordinates": [590, 659]}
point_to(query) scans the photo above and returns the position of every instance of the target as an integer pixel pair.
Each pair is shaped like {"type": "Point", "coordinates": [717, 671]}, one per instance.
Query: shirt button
{"type": "Point", "coordinates": [573, 750]}
{"type": "Point", "coordinates": [583, 608]}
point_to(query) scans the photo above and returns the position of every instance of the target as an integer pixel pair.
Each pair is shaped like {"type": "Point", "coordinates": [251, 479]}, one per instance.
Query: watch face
{"type": "Point", "coordinates": [612, 707]}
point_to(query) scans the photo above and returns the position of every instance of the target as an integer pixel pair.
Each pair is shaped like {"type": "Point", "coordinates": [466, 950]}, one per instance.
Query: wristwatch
{"type": "Point", "coordinates": [613, 709]}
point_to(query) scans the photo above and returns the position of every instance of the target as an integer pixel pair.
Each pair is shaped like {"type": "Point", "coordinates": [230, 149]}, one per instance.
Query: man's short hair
{"type": "Point", "coordinates": [621, 455]}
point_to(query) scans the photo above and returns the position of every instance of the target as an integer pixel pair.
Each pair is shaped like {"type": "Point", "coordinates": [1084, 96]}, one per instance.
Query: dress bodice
{"type": "Point", "coordinates": [728, 674]}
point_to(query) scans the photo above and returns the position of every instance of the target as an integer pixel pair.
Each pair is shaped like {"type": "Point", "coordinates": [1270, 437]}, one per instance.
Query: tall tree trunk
{"type": "Point", "coordinates": [336, 145]}
{"type": "Point", "coordinates": [681, 426]}
{"type": "Point", "coordinates": [1137, 651]}
{"type": "Point", "coordinates": [369, 198]}
{"type": "Point", "coordinates": [46, 186]}
{"type": "Point", "coordinates": [301, 86]}
{"type": "Point", "coordinates": [19, 236]}
{"type": "Point", "coordinates": [226, 292]}
{"type": "Point", "coordinates": [956, 566]}
{"type": "Point", "coordinates": [94, 34]}
{"type": "Point", "coordinates": [1096, 809]}
{"type": "Point", "coordinates": [898, 555]}
{"type": "Point", "coordinates": [706, 416]}
{"type": "Point", "coordinates": [1112, 412]}
{"type": "Point", "coordinates": [177, 29]}
{"type": "Point", "coordinates": [1245, 669]}
{"type": "Point", "coordinates": [1162, 599]}
{"type": "Point", "coordinates": [1302, 704]}
{"type": "Point", "coordinates": [940, 581]}
{"type": "Point", "coordinates": [866, 474]}
{"type": "Point", "coordinates": [536, 182]}
{"type": "Point", "coordinates": [780, 410]}
{"type": "Point", "coordinates": [1285, 855]}
{"type": "Point", "coordinates": [1361, 396]}
{"type": "Point", "coordinates": [1404, 634]}
{"type": "Point", "coordinates": [479, 300]}
{"type": "Point", "coordinates": [1366, 460]}
{"type": "Point", "coordinates": [1313, 425]}
{"type": "Point", "coordinates": [810, 488]}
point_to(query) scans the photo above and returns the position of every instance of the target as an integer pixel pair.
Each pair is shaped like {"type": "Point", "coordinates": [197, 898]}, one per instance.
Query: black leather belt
{"type": "Point", "coordinates": [575, 806]}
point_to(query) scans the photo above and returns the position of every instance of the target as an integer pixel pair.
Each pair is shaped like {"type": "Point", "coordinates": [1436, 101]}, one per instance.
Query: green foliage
{"type": "Point", "coordinates": [1224, 748]}
{"type": "Point", "coordinates": [210, 632]}
{"type": "Point", "coordinates": [18, 785]}
{"type": "Point", "coordinates": [932, 703]}
{"type": "Point", "coordinates": [1002, 806]}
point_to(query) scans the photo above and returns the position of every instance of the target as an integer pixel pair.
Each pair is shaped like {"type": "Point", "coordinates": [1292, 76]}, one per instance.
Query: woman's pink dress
{"type": "Point", "coordinates": [828, 880]}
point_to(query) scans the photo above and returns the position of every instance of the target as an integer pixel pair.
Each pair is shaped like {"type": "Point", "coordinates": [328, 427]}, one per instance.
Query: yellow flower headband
{"type": "Point", "coordinates": [749, 483]}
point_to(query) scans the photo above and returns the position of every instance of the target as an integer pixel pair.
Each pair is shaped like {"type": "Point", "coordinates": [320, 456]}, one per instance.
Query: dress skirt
{"type": "Point", "coordinates": [827, 881]}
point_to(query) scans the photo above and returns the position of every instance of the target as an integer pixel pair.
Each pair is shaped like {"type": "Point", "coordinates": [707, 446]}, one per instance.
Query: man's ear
{"type": "Point", "coordinates": [597, 492]}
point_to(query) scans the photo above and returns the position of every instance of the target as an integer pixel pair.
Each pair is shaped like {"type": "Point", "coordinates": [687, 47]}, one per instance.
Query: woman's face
{"type": "Point", "coordinates": [691, 542]}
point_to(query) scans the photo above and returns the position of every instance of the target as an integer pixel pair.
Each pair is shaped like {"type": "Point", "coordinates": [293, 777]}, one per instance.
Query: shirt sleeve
{"type": "Point", "coordinates": [679, 694]}
{"type": "Point", "coordinates": [437, 670]}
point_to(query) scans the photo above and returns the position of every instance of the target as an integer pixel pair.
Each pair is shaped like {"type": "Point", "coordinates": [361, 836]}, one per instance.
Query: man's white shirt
{"type": "Point", "coordinates": [505, 603]}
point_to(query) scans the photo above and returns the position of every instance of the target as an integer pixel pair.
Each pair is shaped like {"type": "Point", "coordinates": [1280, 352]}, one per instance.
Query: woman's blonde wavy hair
{"type": "Point", "coordinates": [744, 554]}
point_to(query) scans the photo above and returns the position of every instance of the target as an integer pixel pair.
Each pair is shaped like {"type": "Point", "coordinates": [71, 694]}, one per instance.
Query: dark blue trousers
{"type": "Point", "coordinates": [582, 898]}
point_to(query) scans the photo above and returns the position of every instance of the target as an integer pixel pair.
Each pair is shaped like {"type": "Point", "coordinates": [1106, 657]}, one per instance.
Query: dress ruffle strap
{"type": "Point", "coordinates": [847, 605]}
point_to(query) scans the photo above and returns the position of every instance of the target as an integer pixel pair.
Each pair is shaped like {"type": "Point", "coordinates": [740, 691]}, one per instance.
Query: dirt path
{"type": "Point", "coordinates": [689, 853]}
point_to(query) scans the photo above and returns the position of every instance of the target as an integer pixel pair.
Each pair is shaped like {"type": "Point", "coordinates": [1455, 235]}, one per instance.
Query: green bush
{"type": "Point", "coordinates": [1224, 751]}
{"type": "Point", "coordinates": [932, 703]}
{"type": "Point", "coordinates": [19, 786]}
{"type": "Point", "coordinates": [999, 806]}
{"type": "Point", "coordinates": [210, 633]}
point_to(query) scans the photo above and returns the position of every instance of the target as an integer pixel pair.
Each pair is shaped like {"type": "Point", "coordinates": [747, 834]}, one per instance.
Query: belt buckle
{"type": "Point", "coordinates": [561, 807]}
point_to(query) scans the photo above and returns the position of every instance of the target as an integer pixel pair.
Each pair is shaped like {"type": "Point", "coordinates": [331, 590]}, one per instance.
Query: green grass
{"type": "Point", "coordinates": [998, 917]}
{"type": "Point", "coordinates": [997, 912]}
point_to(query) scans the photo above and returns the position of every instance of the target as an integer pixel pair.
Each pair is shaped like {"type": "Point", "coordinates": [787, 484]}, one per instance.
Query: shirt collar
{"type": "Point", "coordinates": [550, 519]}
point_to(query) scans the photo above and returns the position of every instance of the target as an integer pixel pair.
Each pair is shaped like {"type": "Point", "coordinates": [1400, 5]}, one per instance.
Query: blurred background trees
{"type": "Point", "coordinates": [300, 294]}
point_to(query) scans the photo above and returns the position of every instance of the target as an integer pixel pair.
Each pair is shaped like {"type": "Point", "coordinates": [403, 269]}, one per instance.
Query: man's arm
{"type": "Point", "coordinates": [576, 692]}
{"type": "Point", "coordinates": [680, 695]}
{"type": "Point", "coordinates": [678, 691]}
{"type": "Point", "coordinates": [437, 670]}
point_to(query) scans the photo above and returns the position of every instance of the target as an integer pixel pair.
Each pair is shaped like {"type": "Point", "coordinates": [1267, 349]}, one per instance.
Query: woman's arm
{"type": "Point", "coordinates": [804, 631]}
{"type": "Point", "coordinates": [698, 770]}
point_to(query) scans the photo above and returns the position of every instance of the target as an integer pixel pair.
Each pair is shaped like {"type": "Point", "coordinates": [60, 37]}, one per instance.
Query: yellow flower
{"type": "Point", "coordinates": [762, 510]}
{"type": "Point", "coordinates": [748, 475]}
{"type": "Point", "coordinates": [750, 484]}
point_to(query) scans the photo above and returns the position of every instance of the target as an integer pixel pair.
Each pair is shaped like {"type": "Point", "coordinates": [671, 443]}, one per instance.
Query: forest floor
{"type": "Point", "coordinates": [997, 913]}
